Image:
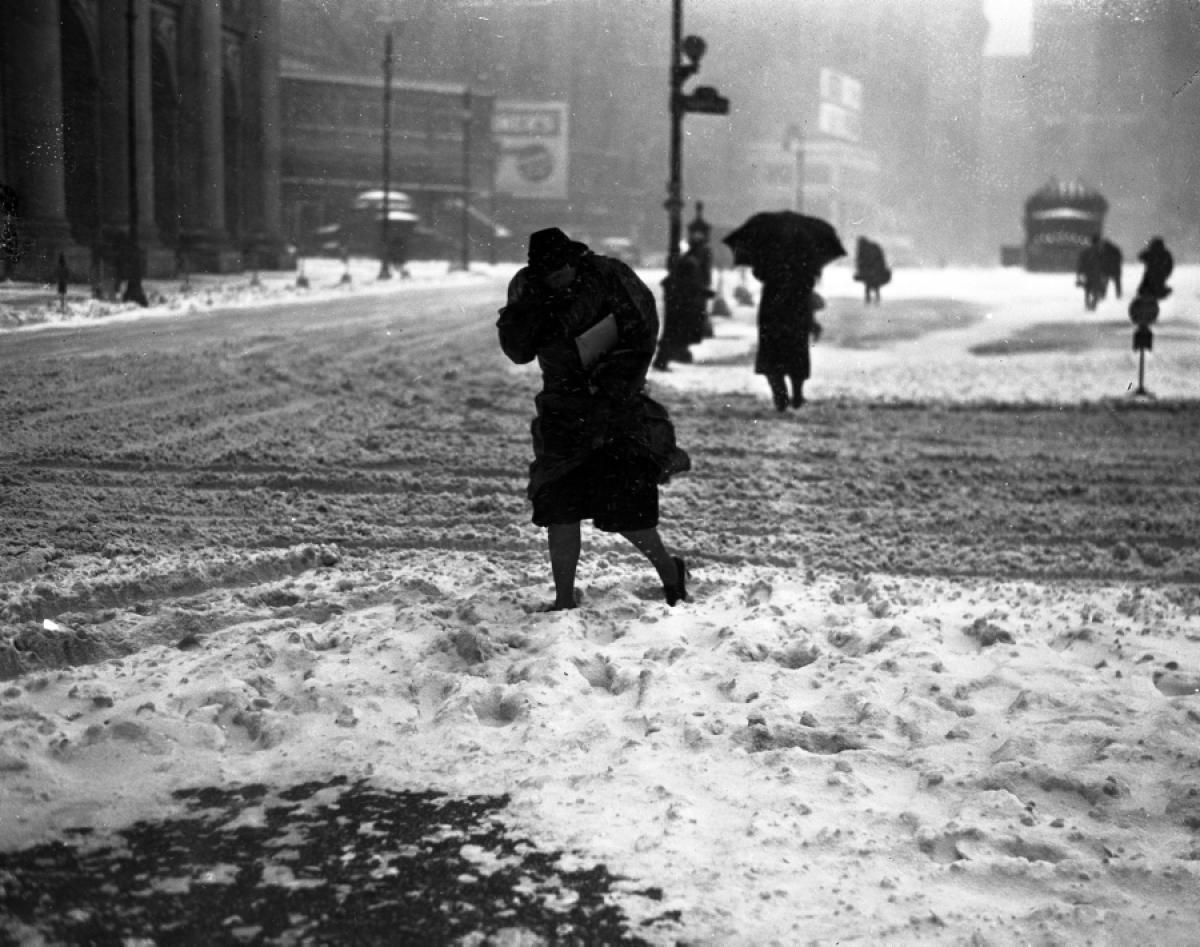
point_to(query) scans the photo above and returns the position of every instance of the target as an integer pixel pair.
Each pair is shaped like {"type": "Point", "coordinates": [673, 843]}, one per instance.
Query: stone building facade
{"type": "Point", "coordinates": [205, 127]}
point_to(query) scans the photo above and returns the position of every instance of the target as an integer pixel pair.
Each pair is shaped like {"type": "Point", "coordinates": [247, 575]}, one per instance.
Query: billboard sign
{"type": "Point", "coordinates": [839, 122]}
{"type": "Point", "coordinates": [840, 113]}
{"type": "Point", "coordinates": [531, 148]}
{"type": "Point", "coordinates": [841, 89]}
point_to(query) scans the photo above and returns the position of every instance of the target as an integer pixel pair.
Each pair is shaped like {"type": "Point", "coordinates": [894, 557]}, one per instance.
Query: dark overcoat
{"type": "Point", "coordinates": [585, 408]}
{"type": "Point", "coordinates": [785, 319]}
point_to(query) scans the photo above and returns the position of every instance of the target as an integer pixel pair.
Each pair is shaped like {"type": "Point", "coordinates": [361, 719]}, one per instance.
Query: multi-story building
{"type": "Point", "coordinates": [439, 147]}
{"type": "Point", "coordinates": [203, 80]}
{"type": "Point", "coordinates": [1114, 101]}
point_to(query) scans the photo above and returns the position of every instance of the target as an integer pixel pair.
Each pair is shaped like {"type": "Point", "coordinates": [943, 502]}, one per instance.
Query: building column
{"type": "Point", "coordinates": [114, 131]}
{"type": "Point", "coordinates": [203, 236]}
{"type": "Point", "coordinates": [34, 153]}
{"type": "Point", "coordinates": [263, 134]}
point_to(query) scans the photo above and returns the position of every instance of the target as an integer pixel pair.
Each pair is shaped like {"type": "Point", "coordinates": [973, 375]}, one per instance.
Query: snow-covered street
{"type": "Point", "coordinates": [939, 681]}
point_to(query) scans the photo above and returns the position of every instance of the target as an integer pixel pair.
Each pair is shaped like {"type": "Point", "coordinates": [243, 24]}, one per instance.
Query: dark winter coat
{"type": "Point", "coordinates": [583, 408]}
{"type": "Point", "coordinates": [785, 320]}
{"type": "Point", "coordinates": [690, 292]}
{"type": "Point", "coordinates": [870, 264]}
{"type": "Point", "coordinates": [1091, 270]}
{"type": "Point", "coordinates": [1113, 259]}
{"type": "Point", "coordinates": [1159, 264]}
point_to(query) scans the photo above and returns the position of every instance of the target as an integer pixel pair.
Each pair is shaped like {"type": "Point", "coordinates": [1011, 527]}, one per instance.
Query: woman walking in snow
{"type": "Point", "coordinates": [601, 445]}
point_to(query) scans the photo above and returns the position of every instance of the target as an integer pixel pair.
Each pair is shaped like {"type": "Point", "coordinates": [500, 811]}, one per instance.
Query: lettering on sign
{"type": "Point", "coordinates": [536, 124]}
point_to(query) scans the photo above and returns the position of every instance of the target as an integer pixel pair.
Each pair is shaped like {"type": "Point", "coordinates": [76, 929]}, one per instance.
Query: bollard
{"type": "Point", "coordinates": [1143, 311]}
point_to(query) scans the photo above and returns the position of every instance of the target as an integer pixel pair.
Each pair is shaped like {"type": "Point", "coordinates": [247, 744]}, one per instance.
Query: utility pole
{"type": "Point", "coordinates": [385, 266]}
{"type": "Point", "coordinates": [133, 285]}
{"type": "Point", "coordinates": [467, 115]}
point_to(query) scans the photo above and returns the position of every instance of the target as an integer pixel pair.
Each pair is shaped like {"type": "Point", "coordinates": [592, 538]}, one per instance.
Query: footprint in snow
{"type": "Point", "coordinates": [1175, 683]}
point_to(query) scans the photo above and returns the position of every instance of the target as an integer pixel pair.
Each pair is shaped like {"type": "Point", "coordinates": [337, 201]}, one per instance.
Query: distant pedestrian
{"type": "Point", "coordinates": [601, 445]}
{"type": "Point", "coordinates": [1159, 263]}
{"type": "Point", "coordinates": [1091, 273]}
{"type": "Point", "coordinates": [786, 325]}
{"type": "Point", "coordinates": [1114, 261]}
{"type": "Point", "coordinates": [786, 251]}
{"type": "Point", "coordinates": [871, 269]}
{"type": "Point", "coordinates": [688, 288]}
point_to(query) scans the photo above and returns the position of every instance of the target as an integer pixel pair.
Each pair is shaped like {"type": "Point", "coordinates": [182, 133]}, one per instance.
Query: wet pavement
{"type": "Point", "coordinates": [335, 862]}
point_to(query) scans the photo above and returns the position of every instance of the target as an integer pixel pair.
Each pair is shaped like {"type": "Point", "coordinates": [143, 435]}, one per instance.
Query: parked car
{"type": "Point", "coordinates": [360, 229]}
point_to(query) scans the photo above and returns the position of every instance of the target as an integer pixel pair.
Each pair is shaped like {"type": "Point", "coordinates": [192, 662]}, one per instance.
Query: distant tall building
{"type": "Point", "coordinates": [880, 105]}
{"type": "Point", "coordinates": [604, 65]}
{"type": "Point", "coordinates": [1114, 101]}
{"type": "Point", "coordinates": [1008, 171]}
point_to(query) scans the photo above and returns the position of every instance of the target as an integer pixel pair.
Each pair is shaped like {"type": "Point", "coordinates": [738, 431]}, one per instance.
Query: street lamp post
{"type": "Point", "coordinates": [133, 286]}
{"type": "Point", "coordinates": [467, 115]}
{"type": "Point", "coordinates": [385, 267]}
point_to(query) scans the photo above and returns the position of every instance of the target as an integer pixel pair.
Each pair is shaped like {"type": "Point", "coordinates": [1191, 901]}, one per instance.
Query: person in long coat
{"type": "Point", "coordinates": [688, 286]}
{"type": "Point", "coordinates": [1114, 261]}
{"type": "Point", "coordinates": [785, 327]}
{"type": "Point", "coordinates": [601, 445]}
{"type": "Point", "coordinates": [1091, 273]}
{"type": "Point", "coordinates": [871, 269]}
{"type": "Point", "coordinates": [1159, 263]}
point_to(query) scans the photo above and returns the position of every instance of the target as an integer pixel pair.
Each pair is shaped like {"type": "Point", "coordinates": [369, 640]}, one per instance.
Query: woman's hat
{"type": "Point", "coordinates": [551, 249]}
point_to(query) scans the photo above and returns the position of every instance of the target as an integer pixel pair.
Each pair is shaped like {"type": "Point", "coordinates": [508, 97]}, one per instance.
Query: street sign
{"type": "Point", "coordinates": [706, 100]}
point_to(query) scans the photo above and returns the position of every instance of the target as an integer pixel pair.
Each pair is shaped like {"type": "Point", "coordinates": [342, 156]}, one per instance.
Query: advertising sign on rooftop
{"type": "Point", "coordinates": [531, 148]}
{"type": "Point", "coordinates": [839, 114]}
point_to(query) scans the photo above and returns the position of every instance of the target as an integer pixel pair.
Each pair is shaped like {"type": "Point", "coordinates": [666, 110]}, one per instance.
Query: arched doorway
{"type": "Point", "coordinates": [81, 128]}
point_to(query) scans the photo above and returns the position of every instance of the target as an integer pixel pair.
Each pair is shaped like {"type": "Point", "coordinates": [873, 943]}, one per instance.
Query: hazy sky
{"type": "Point", "coordinates": [1010, 27]}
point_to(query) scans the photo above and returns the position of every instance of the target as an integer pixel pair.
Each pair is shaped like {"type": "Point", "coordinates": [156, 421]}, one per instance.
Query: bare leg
{"type": "Point", "coordinates": [564, 540]}
{"type": "Point", "coordinates": [650, 545]}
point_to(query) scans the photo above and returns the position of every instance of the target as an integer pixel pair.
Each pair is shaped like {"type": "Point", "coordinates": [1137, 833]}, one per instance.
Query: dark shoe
{"type": "Point", "coordinates": [678, 592]}
{"type": "Point", "coordinates": [781, 403]}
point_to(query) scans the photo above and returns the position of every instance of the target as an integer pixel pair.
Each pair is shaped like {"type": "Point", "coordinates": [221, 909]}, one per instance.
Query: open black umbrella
{"type": "Point", "coordinates": [787, 238]}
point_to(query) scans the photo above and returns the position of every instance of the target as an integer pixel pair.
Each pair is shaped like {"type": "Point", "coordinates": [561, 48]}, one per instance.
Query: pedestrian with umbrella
{"type": "Point", "coordinates": [786, 252]}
